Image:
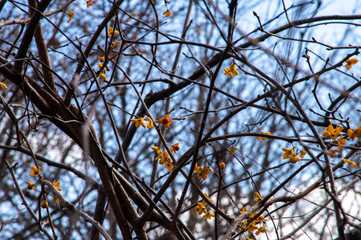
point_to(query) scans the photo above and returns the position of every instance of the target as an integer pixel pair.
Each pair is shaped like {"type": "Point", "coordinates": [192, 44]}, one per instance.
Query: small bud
{"type": "Point", "coordinates": [44, 204]}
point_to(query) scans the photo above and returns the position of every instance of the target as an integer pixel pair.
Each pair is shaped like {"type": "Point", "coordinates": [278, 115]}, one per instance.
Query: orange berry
{"type": "Point", "coordinates": [165, 120]}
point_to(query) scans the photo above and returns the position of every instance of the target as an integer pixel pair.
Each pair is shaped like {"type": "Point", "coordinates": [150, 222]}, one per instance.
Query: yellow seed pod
{"type": "Point", "coordinates": [222, 165]}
